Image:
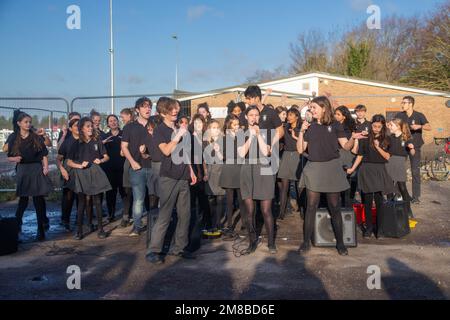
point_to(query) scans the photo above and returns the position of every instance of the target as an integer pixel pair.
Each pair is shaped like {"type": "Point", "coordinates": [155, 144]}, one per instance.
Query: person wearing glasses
{"type": "Point", "coordinates": [417, 123]}
{"type": "Point", "coordinates": [134, 140]}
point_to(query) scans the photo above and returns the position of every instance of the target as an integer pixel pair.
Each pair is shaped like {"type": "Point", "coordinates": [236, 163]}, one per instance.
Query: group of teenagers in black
{"type": "Point", "coordinates": [167, 164]}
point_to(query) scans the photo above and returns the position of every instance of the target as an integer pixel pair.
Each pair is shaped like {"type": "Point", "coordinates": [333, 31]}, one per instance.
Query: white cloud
{"type": "Point", "coordinates": [360, 5]}
{"type": "Point", "coordinates": [197, 12]}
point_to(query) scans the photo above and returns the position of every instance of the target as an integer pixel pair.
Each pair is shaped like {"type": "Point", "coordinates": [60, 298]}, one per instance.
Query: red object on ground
{"type": "Point", "coordinates": [447, 147]}
{"type": "Point", "coordinates": [361, 215]}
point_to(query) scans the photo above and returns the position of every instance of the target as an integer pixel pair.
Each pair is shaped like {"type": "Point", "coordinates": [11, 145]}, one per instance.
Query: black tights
{"type": "Point", "coordinates": [284, 191]}
{"type": "Point", "coordinates": [230, 206]}
{"type": "Point", "coordinates": [68, 199]}
{"type": "Point", "coordinates": [216, 207]}
{"type": "Point", "coordinates": [84, 204]}
{"type": "Point", "coordinates": [368, 199]}
{"type": "Point", "coordinates": [313, 199]}
{"type": "Point", "coordinates": [39, 206]}
{"type": "Point", "coordinates": [266, 210]}
{"type": "Point", "coordinates": [405, 196]}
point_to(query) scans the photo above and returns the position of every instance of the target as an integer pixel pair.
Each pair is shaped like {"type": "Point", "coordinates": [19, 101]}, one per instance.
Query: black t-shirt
{"type": "Point", "coordinates": [156, 154]}
{"type": "Point", "coordinates": [65, 147]}
{"type": "Point", "coordinates": [369, 153]}
{"type": "Point", "coordinates": [398, 147]}
{"type": "Point", "coordinates": [365, 126]}
{"type": "Point", "coordinates": [323, 144]}
{"type": "Point", "coordinates": [163, 134]}
{"type": "Point", "coordinates": [290, 144]}
{"type": "Point", "coordinates": [81, 151]}
{"type": "Point", "coordinates": [116, 161]}
{"type": "Point", "coordinates": [268, 120]}
{"type": "Point", "coordinates": [136, 135]}
{"type": "Point", "coordinates": [416, 118]}
{"type": "Point", "coordinates": [27, 149]}
{"type": "Point", "coordinates": [230, 145]}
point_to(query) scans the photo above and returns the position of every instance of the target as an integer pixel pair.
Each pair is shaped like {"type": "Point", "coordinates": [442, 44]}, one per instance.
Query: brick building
{"type": "Point", "coordinates": [378, 97]}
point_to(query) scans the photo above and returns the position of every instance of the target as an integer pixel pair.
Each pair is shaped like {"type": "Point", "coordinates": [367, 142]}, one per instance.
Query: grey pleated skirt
{"type": "Point", "coordinates": [31, 181]}
{"type": "Point", "coordinates": [347, 158]}
{"type": "Point", "coordinates": [254, 185]}
{"type": "Point", "coordinates": [212, 187]}
{"type": "Point", "coordinates": [324, 176]}
{"type": "Point", "coordinates": [373, 177]}
{"type": "Point", "coordinates": [126, 175]}
{"type": "Point", "coordinates": [230, 177]}
{"type": "Point", "coordinates": [91, 181]}
{"type": "Point", "coordinates": [290, 166]}
{"type": "Point", "coordinates": [396, 168]}
{"type": "Point", "coordinates": [69, 184]}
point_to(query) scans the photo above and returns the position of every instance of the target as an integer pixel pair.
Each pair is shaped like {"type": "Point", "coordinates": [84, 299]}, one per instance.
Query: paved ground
{"type": "Point", "coordinates": [415, 267]}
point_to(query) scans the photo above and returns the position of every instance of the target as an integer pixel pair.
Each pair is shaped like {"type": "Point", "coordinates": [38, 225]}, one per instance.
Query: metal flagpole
{"type": "Point", "coordinates": [111, 54]}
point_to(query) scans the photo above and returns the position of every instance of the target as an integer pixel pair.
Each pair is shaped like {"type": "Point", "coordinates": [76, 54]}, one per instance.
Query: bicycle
{"type": "Point", "coordinates": [438, 167]}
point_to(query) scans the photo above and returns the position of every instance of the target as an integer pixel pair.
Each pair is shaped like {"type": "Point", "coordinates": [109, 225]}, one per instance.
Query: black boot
{"type": "Point", "coordinates": [252, 245]}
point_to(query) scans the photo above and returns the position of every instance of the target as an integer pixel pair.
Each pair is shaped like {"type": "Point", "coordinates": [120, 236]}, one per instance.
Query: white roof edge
{"type": "Point", "coordinates": [365, 82]}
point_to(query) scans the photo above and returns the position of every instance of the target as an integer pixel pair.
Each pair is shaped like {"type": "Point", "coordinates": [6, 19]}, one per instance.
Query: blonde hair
{"type": "Point", "coordinates": [404, 128]}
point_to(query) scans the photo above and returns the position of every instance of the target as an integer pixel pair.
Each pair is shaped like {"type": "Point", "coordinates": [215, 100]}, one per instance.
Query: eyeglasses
{"type": "Point", "coordinates": [405, 102]}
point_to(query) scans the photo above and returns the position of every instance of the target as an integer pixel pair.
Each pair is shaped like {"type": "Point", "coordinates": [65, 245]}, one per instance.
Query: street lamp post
{"type": "Point", "coordinates": [111, 54]}
{"type": "Point", "coordinates": [175, 37]}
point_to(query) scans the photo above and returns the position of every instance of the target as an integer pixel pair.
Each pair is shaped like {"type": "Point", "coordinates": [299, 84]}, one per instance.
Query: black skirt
{"type": "Point", "coordinates": [69, 184]}
{"type": "Point", "coordinates": [91, 181]}
{"type": "Point", "coordinates": [373, 177]}
{"type": "Point", "coordinates": [31, 181]}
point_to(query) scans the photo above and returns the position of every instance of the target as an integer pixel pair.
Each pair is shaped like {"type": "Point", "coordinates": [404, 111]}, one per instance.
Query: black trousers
{"type": "Point", "coordinates": [415, 170]}
{"type": "Point", "coordinates": [39, 206]}
{"type": "Point", "coordinates": [115, 179]}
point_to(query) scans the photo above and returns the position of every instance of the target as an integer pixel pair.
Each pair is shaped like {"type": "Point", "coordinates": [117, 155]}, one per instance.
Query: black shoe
{"type": "Point", "coordinates": [251, 248]}
{"type": "Point", "coordinates": [304, 248]}
{"type": "Point", "coordinates": [415, 201]}
{"type": "Point", "coordinates": [342, 251]}
{"type": "Point", "coordinates": [78, 236]}
{"type": "Point", "coordinates": [102, 234]}
{"type": "Point", "coordinates": [367, 233]}
{"type": "Point", "coordinates": [124, 223]}
{"type": "Point", "coordinates": [154, 258]}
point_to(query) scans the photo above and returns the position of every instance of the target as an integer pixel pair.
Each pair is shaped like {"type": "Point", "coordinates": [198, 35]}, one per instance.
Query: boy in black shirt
{"type": "Point", "coordinates": [174, 185]}
{"type": "Point", "coordinates": [362, 125]}
{"type": "Point", "coordinates": [417, 122]}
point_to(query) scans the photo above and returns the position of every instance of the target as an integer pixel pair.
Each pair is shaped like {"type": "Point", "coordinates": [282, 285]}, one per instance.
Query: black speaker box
{"type": "Point", "coordinates": [323, 229]}
{"type": "Point", "coordinates": [9, 236]}
{"type": "Point", "coordinates": [393, 220]}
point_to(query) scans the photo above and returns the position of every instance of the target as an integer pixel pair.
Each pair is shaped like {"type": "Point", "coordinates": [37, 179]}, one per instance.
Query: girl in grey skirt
{"type": "Point", "coordinates": [323, 173]}
{"type": "Point", "coordinates": [373, 179]}
{"type": "Point", "coordinates": [290, 160]}
{"type": "Point", "coordinates": [401, 145]}
{"type": "Point", "coordinates": [254, 184]}
{"type": "Point", "coordinates": [231, 171]}
{"type": "Point", "coordinates": [343, 116]}
{"type": "Point", "coordinates": [29, 152]}
{"type": "Point", "coordinates": [213, 169]}
{"type": "Point", "coordinates": [85, 158]}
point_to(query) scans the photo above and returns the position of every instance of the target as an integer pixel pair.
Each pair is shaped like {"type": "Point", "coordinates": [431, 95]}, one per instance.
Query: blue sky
{"type": "Point", "coordinates": [221, 42]}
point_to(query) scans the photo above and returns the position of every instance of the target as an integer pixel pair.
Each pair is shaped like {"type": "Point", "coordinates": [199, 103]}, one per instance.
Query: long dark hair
{"type": "Point", "coordinates": [37, 142]}
{"type": "Point", "coordinates": [297, 114]}
{"type": "Point", "coordinates": [349, 122]}
{"type": "Point", "coordinates": [384, 142]}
